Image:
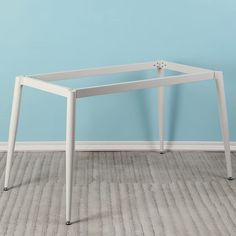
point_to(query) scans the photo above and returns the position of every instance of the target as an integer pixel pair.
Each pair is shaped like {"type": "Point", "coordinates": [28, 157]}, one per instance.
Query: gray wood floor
{"type": "Point", "coordinates": [119, 193]}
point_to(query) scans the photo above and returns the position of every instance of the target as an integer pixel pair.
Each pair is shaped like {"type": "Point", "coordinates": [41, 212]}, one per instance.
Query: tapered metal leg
{"type": "Point", "coordinates": [161, 112]}
{"type": "Point", "coordinates": [13, 128]}
{"type": "Point", "coordinates": [70, 149]}
{"type": "Point", "coordinates": [224, 121]}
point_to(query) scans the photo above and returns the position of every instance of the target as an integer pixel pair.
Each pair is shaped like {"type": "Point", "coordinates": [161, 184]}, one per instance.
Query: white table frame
{"type": "Point", "coordinates": [42, 82]}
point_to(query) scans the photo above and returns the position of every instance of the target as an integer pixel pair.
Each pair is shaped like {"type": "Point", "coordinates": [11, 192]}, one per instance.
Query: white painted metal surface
{"type": "Point", "coordinates": [143, 84]}
{"type": "Point", "coordinates": [40, 82]}
{"type": "Point", "coordinates": [97, 71]}
{"type": "Point", "coordinates": [160, 102]}
{"type": "Point", "coordinates": [224, 119]}
{"type": "Point", "coordinates": [184, 68]}
{"type": "Point", "coordinates": [47, 87]}
{"type": "Point", "coordinates": [70, 149]}
{"type": "Point", "coordinates": [13, 127]}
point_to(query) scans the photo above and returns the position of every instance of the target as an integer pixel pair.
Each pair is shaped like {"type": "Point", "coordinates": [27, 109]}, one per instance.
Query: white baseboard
{"type": "Point", "coordinates": [118, 145]}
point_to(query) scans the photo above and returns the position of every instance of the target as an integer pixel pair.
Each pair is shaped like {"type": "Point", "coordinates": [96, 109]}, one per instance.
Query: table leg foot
{"type": "Point", "coordinates": [68, 223]}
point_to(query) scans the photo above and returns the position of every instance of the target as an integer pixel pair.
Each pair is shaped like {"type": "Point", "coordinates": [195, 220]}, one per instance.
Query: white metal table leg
{"type": "Point", "coordinates": [224, 121]}
{"type": "Point", "coordinates": [161, 111]}
{"type": "Point", "coordinates": [41, 82]}
{"type": "Point", "coordinates": [13, 128]}
{"type": "Point", "coordinates": [70, 149]}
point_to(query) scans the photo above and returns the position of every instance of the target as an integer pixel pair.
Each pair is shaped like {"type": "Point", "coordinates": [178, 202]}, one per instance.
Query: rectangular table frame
{"type": "Point", "coordinates": [42, 82]}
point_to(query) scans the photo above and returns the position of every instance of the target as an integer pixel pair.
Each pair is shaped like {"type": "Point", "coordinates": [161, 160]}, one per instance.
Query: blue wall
{"type": "Point", "coordinates": [46, 36]}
